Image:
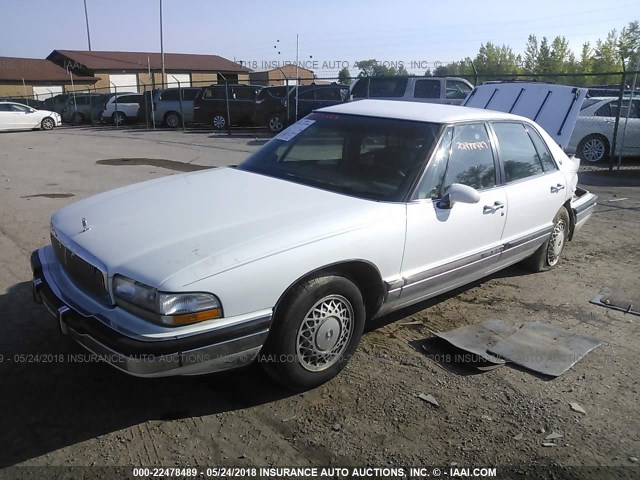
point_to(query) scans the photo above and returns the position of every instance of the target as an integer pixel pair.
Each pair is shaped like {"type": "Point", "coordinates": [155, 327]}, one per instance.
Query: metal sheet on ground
{"type": "Point", "coordinates": [618, 301]}
{"type": "Point", "coordinates": [545, 349]}
{"type": "Point", "coordinates": [478, 338]}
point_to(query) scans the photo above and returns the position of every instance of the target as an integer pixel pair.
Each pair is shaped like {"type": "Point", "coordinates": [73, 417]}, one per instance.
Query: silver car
{"type": "Point", "coordinates": [167, 108]}
{"type": "Point", "coordinates": [592, 136]}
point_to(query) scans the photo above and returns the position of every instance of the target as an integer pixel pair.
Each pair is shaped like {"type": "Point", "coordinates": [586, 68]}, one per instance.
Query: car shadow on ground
{"type": "Point", "coordinates": [626, 177]}
{"type": "Point", "coordinates": [54, 395]}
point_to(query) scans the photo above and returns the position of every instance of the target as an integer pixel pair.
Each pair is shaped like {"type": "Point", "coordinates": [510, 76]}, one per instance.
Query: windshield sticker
{"type": "Point", "coordinates": [295, 129]}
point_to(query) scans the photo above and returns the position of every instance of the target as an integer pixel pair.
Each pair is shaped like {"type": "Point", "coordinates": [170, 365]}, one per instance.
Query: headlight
{"type": "Point", "coordinates": [171, 309]}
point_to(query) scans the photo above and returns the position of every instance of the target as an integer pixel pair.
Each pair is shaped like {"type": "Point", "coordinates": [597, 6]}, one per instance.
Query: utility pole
{"type": "Point", "coordinates": [86, 19]}
{"type": "Point", "coordinates": [161, 45]}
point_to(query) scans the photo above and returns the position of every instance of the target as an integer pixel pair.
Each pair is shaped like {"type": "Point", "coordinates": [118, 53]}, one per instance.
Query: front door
{"type": "Point", "coordinates": [449, 247]}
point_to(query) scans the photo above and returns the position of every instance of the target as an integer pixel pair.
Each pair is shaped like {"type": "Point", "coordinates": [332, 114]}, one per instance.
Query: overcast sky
{"type": "Point", "coordinates": [332, 33]}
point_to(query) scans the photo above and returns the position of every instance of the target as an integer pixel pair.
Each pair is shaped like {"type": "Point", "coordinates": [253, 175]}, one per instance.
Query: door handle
{"type": "Point", "coordinates": [557, 188]}
{"type": "Point", "coordinates": [492, 208]}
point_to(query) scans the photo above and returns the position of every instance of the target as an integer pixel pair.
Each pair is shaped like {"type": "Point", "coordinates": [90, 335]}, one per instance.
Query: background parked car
{"type": "Point", "coordinates": [210, 105]}
{"type": "Point", "coordinates": [37, 104]}
{"type": "Point", "coordinates": [16, 116]}
{"type": "Point", "coordinates": [128, 105]}
{"type": "Point", "coordinates": [82, 108]}
{"type": "Point", "coordinates": [167, 109]}
{"type": "Point", "coordinates": [450, 90]}
{"type": "Point", "coordinates": [593, 134]}
{"type": "Point", "coordinates": [276, 113]}
{"type": "Point", "coordinates": [57, 103]}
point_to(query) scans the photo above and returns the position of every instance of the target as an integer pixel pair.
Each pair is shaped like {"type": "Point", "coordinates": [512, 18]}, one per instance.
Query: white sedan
{"type": "Point", "coordinates": [592, 137]}
{"type": "Point", "coordinates": [355, 211]}
{"type": "Point", "coordinates": [16, 116]}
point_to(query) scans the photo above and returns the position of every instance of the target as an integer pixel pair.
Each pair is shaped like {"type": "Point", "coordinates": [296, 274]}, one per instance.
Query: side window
{"type": "Point", "coordinates": [471, 160]}
{"type": "Point", "coordinates": [308, 95]}
{"type": "Point", "coordinates": [431, 183]}
{"type": "Point", "coordinates": [244, 93]}
{"type": "Point", "coordinates": [215, 93]}
{"type": "Point", "coordinates": [18, 108]}
{"type": "Point", "coordinates": [604, 110]}
{"type": "Point", "coordinates": [170, 95]}
{"type": "Point", "coordinates": [517, 153]}
{"type": "Point", "coordinates": [543, 151]}
{"type": "Point", "coordinates": [190, 93]}
{"type": "Point", "coordinates": [328, 94]}
{"type": "Point", "coordinates": [457, 90]}
{"type": "Point", "coordinates": [5, 107]}
{"type": "Point", "coordinates": [427, 89]}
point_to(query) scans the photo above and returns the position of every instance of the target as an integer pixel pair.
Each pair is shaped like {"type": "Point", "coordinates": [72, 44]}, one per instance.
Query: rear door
{"type": "Point", "coordinates": [428, 90]}
{"type": "Point", "coordinates": [534, 187]}
{"type": "Point", "coordinates": [8, 118]}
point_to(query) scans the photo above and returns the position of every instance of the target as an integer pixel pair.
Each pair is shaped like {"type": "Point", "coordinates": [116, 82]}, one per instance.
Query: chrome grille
{"type": "Point", "coordinates": [86, 276]}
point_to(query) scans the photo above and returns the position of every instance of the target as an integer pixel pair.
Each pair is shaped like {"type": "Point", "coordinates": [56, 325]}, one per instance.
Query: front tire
{"type": "Point", "coordinates": [593, 148]}
{"type": "Point", "coordinates": [275, 123]}
{"type": "Point", "coordinates": [549, 254]}
{"type": "Point", "coordinates": [219, 121]}
{"type": "Point", "coordinates": [47, 123]}
{"type": "Point", "coordinates": [316, 330]}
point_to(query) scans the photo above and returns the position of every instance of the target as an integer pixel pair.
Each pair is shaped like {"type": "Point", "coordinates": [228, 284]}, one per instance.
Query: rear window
{"type": "Point", "coordinates": [380, 87]}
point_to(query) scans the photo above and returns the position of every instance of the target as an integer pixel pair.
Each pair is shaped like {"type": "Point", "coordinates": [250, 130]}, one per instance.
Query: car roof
{"type": "Point", "coordinates": [418, 111]}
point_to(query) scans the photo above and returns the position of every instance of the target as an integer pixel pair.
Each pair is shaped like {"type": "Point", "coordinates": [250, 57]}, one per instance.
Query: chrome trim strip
{"type": "Point", "coordinates": [455, 265]}
{"type": "Point", "coordinates": [214, 358]}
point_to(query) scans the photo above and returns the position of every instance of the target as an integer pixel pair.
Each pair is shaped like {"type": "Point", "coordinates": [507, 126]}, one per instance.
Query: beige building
{"type": "Point", "coordinates": [278, 76]}
{"type": "Point", "coordinates": [38, 79]}
{"type": "Point", "coordinates": [140, 71]}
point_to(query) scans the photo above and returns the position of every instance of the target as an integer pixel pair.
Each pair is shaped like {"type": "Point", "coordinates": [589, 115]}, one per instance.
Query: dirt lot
{"type": "Point", "coordinates": [73, 413]}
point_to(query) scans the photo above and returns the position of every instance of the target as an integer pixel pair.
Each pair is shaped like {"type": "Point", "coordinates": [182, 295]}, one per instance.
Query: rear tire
{"type": "Point", "coordinates": [118, 118]}
{"type": "Point", "coordinates": [549, 254]}
{"type": "Point", "coordinates": [172, 119]}
{"type": "Point", "coordinates": [77, 119]}
{"type": "Point", "coordinates": [315, 332]}
{"type": "Point", "coordinates": [593, 148]}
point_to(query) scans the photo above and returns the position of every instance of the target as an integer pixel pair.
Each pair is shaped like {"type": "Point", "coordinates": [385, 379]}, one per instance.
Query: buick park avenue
{"type": "Point", "coordinates": [355, 211]}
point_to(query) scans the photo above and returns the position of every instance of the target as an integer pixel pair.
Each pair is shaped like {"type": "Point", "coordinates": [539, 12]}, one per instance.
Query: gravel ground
{"type": "Point", "coordinates": [58, 410]}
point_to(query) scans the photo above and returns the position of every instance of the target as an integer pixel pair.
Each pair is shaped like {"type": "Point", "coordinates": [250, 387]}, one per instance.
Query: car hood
{"type": "Point", "coordinates": [179, 229]}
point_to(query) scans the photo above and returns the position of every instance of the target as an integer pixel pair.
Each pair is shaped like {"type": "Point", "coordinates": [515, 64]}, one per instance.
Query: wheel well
{"type": "Point", "coordinates": [362, 273]}
{"type": "Point", "coordinates": [572, 218]}
{"type": "Point", "coordinates": [596, 135]}
{"type": "Point", "coordinates": [170, 112]}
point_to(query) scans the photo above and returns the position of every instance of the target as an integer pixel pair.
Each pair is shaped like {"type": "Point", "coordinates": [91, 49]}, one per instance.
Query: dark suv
{"type": "Point", "coordinates": [276, 112]}
{"type": "Point", "coordinates": [210, 105]}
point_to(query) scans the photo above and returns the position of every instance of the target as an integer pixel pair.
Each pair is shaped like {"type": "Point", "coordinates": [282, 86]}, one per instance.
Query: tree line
{"type": "Point", "coordinates": [542, 57]}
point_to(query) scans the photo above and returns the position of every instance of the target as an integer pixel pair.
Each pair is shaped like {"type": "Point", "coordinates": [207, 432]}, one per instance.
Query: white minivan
{"type": "Point", "coordinates": [121, 108]}
{"type": "Point", "coordinates": [448, 90]}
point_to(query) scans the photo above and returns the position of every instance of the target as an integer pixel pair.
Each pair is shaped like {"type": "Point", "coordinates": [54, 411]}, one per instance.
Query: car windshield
{"type": "Point", "coordinates": [366, 157]}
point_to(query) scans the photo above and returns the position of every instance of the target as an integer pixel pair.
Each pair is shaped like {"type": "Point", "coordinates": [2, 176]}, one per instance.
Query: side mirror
{"type": "Point", "coordinates": [458, 193]}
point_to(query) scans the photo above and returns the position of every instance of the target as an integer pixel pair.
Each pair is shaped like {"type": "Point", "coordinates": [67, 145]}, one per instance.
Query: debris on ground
{"type": "Point", "coordinates": [577, 408]}
{"type": "Point", "coordinates": [519, 436]}
{"type": "Point", "coordinates": [553, 436]}
{"type": "Point", "coordinates": [429, 399]}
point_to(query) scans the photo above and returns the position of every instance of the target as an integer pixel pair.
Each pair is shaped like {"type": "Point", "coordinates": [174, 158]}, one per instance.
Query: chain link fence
{"type": "Point", "coordinates": [608, 126]}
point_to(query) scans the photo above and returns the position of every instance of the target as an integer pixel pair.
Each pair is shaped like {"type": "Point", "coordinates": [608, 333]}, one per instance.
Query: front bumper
{"type": "Point", "coordinates": [232, 345]}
